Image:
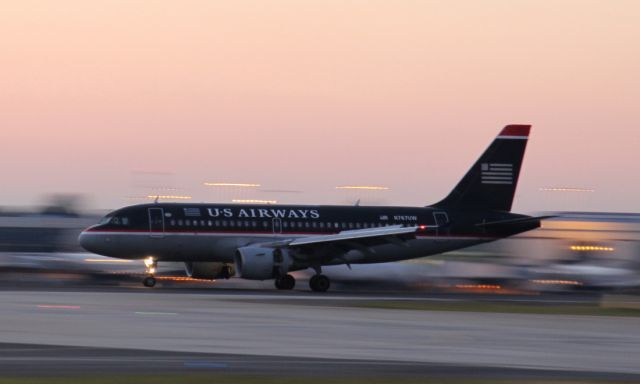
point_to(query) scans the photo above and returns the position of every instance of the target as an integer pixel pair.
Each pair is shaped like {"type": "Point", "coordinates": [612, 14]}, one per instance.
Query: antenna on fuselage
{"type": "Point", "coordinates": [156, 200]}
{"type": "Point", "coordinates": [357, 204]}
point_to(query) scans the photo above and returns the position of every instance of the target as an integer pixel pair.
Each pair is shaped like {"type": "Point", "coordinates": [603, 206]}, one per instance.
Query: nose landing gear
{"type": "Point", "coordinates": [152, 265]}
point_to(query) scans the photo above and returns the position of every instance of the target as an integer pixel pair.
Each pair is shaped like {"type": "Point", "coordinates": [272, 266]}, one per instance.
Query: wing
{"type": "Point", "coordinates": [359, 236]}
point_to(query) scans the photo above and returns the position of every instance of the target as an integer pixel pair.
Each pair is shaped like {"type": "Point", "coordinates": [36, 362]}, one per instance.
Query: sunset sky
{"type": "Point", "coordinates": [103, 98]}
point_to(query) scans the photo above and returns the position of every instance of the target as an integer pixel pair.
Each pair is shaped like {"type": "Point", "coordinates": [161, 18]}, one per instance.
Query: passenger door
{"type": "Point", "coordinates": [277, 226]}
{"type": "Point", "coordinates": [156, 222]}
{"type": "Point", "coordinates": [442, 223]}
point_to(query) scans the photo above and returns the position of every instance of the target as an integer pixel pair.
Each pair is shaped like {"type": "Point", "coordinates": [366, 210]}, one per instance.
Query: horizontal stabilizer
{"type": "Point", "coordinates": [521, 220]}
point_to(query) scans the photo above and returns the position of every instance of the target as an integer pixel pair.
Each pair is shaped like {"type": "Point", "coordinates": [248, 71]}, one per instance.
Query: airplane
{"type": "Point", "coordinates": [262, 242]}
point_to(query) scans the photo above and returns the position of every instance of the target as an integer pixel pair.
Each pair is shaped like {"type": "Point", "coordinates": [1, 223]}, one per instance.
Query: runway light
{"type": "Point", "coordinates": [240, 185]}
{"type": "Point", "coordinates": [591, 248]}
{"type": "Point", "coordinates": [557, 282]}
{"type": "Point", "coordinates": [567, 190]}
{"type": "Point", "coordinates": [254, 201]}
{"type": "Point", "coordinates": [172, 197]}
{"type": "Point", "coordinates": [365, 187]}
{"type": "Point", "coordinates": [179, 278]}
{"type": "Point", "coordinates": [478, 286]}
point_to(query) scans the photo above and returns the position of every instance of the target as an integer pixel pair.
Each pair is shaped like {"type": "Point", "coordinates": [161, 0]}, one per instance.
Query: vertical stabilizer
{"type": "Point", "coordinates": [491, 183]}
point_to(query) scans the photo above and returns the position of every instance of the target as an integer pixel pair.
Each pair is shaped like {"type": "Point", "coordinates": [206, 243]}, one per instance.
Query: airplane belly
{"type": "Point", "coordinates": [178, 248]}
{"type": "Point", "coordinates": [414, 249]}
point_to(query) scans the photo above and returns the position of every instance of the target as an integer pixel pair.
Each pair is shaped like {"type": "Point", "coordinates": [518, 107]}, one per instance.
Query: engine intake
{"type": "Point", "coordinates": [260, 263]}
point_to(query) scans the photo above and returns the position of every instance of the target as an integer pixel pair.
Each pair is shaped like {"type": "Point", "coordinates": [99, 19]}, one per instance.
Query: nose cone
{"type": "Point", "coordinates": [85, 241]}
{"type": "Point", "coordinates": [91, 241]}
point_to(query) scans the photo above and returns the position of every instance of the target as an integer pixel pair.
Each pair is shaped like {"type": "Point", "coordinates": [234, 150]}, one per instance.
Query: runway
{"type": "Point", "coordinates": [241, 329]}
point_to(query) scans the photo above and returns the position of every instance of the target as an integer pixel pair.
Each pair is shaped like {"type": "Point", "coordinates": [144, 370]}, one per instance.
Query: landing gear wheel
{"type": "Point", "coordinates": [319, 283]}
{"type": "Point", "coordinates": [149, 281]}
{"type": "Point", "coordinates": [226, 272]}
{"type": "Point", "coordinates": [286, 282]}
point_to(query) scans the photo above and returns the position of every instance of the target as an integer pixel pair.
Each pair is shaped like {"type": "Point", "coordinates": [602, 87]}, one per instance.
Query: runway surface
{"type": "Point", "coordinates": [221, 330]}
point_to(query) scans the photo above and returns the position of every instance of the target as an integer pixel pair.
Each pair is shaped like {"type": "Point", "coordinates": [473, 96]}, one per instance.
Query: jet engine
{"type": "Point", "coordinates": [208, 270]}
{"type": "Point", "coordinates": [260, 263]}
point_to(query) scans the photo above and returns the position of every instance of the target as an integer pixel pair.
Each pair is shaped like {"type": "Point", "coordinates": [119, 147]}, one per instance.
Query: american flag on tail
{"type": "Point", "coordinates": [497, 173]}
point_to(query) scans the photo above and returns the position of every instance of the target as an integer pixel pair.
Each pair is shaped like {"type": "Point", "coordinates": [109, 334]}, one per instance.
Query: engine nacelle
{"type": "Point", "coordinates": [259, 263]}
{"type": "Point", "coordinates": [208, 270]}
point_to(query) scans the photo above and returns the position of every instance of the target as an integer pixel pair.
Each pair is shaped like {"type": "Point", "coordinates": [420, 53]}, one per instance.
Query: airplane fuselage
{"type": "Point", "coordinates": [213, 232]}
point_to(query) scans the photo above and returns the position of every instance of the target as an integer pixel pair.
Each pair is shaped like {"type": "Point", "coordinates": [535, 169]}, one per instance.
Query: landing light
{"type": "Point", "coordinates": [149, 262]}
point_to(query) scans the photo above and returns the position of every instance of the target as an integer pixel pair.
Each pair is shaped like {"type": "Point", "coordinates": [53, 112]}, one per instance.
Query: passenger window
{"type": "Point", "coordinates": [209, 223]}
{"type": "Point", "coordinates": [254, 224]}
{"type": "Point", "coordinates": [125, 221]}
{"type": "Point", "coordinates": [232, 223]}
{"type": "Point", "coordinates": [224, 223]}
{"type": "Point", "coordinates": [187, 222]}
{"type": "Point", "coordinates": [173, 223]}
{"type": "Point", "coordinates": [350, 225]}
{"type": "Point", "coordinates": [217, 222]}
{"type": "Point", "coordinates": [180, 223]}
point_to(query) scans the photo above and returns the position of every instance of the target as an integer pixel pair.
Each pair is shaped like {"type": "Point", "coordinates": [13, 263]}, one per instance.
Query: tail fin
{"type": "Point", "coordinates": [491, 182]}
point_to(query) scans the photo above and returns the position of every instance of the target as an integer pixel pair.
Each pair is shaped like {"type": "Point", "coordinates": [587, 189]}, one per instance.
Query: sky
{"type": "Point", "coordinates": [107, 98]}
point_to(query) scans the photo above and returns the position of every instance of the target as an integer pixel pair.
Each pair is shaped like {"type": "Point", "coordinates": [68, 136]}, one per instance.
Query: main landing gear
{"type": "Point", "coordinates": [319, 282]}
{"type": "Point", "coordinates": [152, 265]}
{"type": "Point", "coordinates": [286, 282]}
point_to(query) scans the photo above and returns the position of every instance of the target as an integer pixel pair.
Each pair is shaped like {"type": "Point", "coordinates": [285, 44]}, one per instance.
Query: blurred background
{"type": "Point", "coordinates": [111, 103]}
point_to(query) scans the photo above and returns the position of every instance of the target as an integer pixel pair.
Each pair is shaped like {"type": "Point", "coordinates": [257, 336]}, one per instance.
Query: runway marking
{"type": "Point", "coordinates": [59, 306]}
{"type": "Point", "coordinates": [155, 313]}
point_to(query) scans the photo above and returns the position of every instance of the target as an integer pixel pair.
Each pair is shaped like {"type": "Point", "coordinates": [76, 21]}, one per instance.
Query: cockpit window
{"type": "Point", "coordinates": [115, 220]}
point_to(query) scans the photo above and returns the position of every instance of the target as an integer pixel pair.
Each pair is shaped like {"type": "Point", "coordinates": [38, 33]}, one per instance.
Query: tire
{"type": "Point", "coordinates": [319, 283]}
{"type": "Point", "coordinates": [286, 282]}
{"type": "Point", "coordinates": [149, 281]}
